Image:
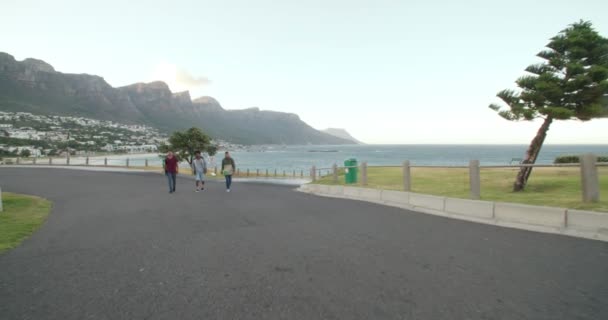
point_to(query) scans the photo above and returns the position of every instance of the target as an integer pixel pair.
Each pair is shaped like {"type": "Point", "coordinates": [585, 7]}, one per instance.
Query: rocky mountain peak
{"type": "Point", "coordinates": [38, 65]}
{"type": "Point", "coordinates": [156, 86]}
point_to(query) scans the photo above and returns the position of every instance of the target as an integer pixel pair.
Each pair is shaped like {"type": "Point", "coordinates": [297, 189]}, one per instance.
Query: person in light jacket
{"type": "Point", "coordinates": [199, 167]}
{"type": "Point", "coordinates": [228, 168]}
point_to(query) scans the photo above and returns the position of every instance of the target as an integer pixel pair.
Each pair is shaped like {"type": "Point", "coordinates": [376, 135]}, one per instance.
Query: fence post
{"type": "Point", "coordinates": [50, 161]}
{"type": "Point", "coordinates": [294, 173]}
{"type": "Point", "coordinates": [105, 162]}
{"type": "Point", "coordinates": [18, 160]}
{"type": "Point", "coordinates": [284, 173]}
{"type": "Point", "coordinates": [87, 161]}
{"type": "Point", "coordinates": [364, 173]}
{"type": "Point", "coordinates": [407, 177]}
{"type": "Point", "coordinates": [146, 163]}
{"type": "Point", "coordinates": [257, 172]}
{"type": "Point", "coordinates": [127, 162]}
{"type": "Point", "coordinates": [266, 173]}
{"type": "Point", "coordinates": [313, 173]}
{"type": "Point", "coordinates": [238, 172]}
{"type": "Point", "coordinates": [275, 173]}
{"type": "Point", "coordinates": [301, 174]}
{"type": "Point", "coordinates": [474, 180]}
{"type": "Point", "coordinates": [1, 199]}
{"type": "Point", "coordinates": [589, 178]}
{"type": "Point", "coordinates": [335, 171]}
{"type": "Point", "coordinates": [34, 161]}
{"type": "Point", "coordinates": [67, 161]}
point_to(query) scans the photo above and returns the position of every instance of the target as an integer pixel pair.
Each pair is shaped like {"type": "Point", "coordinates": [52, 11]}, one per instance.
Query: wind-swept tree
{"type": "Point", "coordinates": [185, 144]}
{"type": "Point", "coordinates": [571, 83]}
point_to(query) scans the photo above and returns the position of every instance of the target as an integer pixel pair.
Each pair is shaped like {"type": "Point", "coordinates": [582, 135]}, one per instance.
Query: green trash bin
{"type": "Point", "coordinates": [350, 170]}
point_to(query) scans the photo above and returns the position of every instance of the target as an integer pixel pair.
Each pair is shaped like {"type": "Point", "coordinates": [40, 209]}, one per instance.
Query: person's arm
{"type": "Point", "coordinates": [233, 165]}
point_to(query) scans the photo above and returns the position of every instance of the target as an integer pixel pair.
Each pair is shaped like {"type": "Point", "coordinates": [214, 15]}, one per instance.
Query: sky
{"type": "Point", "coordinates": [388, 71]}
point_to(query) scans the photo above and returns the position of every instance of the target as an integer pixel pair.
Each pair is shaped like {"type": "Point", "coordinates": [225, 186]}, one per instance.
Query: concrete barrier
{"type": "Point", "coordinates": [310, 188]}
{"type": "Point", "coordinates": [374, 195]}
{"type": "Point", "coordinates": [470, 208]}
{"type": "Point", "coordinates": [398, 198]}
{"type": "Point", "coordinates": [336, 191]}
{"type": "Point", "coordinates": [322, 189]}
{"type": "Point", "coordinates": [588, 221]}
{"type": "Point", "coordinates": [427, 201]}
{"type": "Point", "coordinates": [577, 223]}
{"type": "Point", "coordinates": [530, 215]}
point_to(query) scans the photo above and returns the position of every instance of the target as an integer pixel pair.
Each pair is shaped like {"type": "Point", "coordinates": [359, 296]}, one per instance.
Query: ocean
{"type": "Point", "coordinates": [298, 158]}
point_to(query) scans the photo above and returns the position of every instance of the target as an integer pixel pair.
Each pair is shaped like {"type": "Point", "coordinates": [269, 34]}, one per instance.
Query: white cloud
{"type": "Point", "coordinates": [178, 78]}
{"type": "Point", "coordinates": [184, 78]}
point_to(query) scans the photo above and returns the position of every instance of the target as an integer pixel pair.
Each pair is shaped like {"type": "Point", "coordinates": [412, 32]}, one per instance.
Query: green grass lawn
{"type": "Point", "coordinates": [559, 187]}
{"type": "Point", "coordinates": [22, 216]}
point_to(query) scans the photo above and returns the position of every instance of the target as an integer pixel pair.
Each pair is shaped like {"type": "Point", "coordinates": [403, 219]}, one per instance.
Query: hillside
{"type": "Point", "coordinates": [341, 133]}
{"type": "Point", "coordinates": [35, 86]}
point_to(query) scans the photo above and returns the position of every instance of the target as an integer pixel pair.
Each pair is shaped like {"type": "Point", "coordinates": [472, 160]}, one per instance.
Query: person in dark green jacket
{"type": "Point", "coordinates": [228, 168]}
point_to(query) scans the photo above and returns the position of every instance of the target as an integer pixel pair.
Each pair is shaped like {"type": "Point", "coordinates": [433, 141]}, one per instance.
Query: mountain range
{"type": "Point", "coordinates": [34, 86]}
{"type": "Point", "coordinates": [341, 133]}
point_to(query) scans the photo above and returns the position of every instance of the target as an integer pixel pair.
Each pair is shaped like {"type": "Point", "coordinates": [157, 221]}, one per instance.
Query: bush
{"type": "Point", "coordinates": [575, 159]}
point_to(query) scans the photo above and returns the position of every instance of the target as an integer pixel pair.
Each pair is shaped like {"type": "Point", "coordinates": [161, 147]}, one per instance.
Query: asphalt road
{"type": "Point", "coordinates": [119, 246]}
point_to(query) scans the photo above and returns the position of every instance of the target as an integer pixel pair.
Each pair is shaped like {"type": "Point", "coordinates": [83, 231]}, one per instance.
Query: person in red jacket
{"type": "Point", "coordinates": [171, 170]}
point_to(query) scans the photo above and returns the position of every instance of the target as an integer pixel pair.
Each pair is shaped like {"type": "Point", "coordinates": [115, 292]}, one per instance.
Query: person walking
{"type": "Point", "coordinates": [228, 168]}
{"type": "Point", "coordinates": [171, 170]}
{"type": "Point", "coordinates": [199, 166]}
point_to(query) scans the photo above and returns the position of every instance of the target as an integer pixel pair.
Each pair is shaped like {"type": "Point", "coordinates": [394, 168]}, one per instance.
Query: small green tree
{"type": "Point", "coordinates": [571, 83]}
{"type": "Point", "coordinates": [185, 143]}
{"type": "Point", "coordinates": [25, 153]}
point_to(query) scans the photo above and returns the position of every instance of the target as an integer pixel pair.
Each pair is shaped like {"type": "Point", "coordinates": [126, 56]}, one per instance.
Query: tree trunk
{"type": "Point", "coordinates": [531, 155]}
{"type": "Point", "coordinates": [190, 163]}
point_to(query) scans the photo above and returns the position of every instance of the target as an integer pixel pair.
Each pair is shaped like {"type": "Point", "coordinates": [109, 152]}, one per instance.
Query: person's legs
{"type": "Point", "coordinates": [228, 178]}
{"type": "Point", "coordinates": [173, 180]}
{"type": "Point", "coordinates": [198, 180]}
{"type": "Point", "coordinates": [168, 174]}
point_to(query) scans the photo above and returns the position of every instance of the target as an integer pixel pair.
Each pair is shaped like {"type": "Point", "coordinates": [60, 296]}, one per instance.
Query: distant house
{"type": "Point", "coordinates": [33, 151]}
{"type": "Point", "coordinates": [138, 149]}
{"type": "Point", "coordinates": [18, 134]}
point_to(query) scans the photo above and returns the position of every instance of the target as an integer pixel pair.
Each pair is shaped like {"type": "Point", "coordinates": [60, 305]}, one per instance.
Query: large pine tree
{"type": "Point", "coordinates": [571, 83]}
